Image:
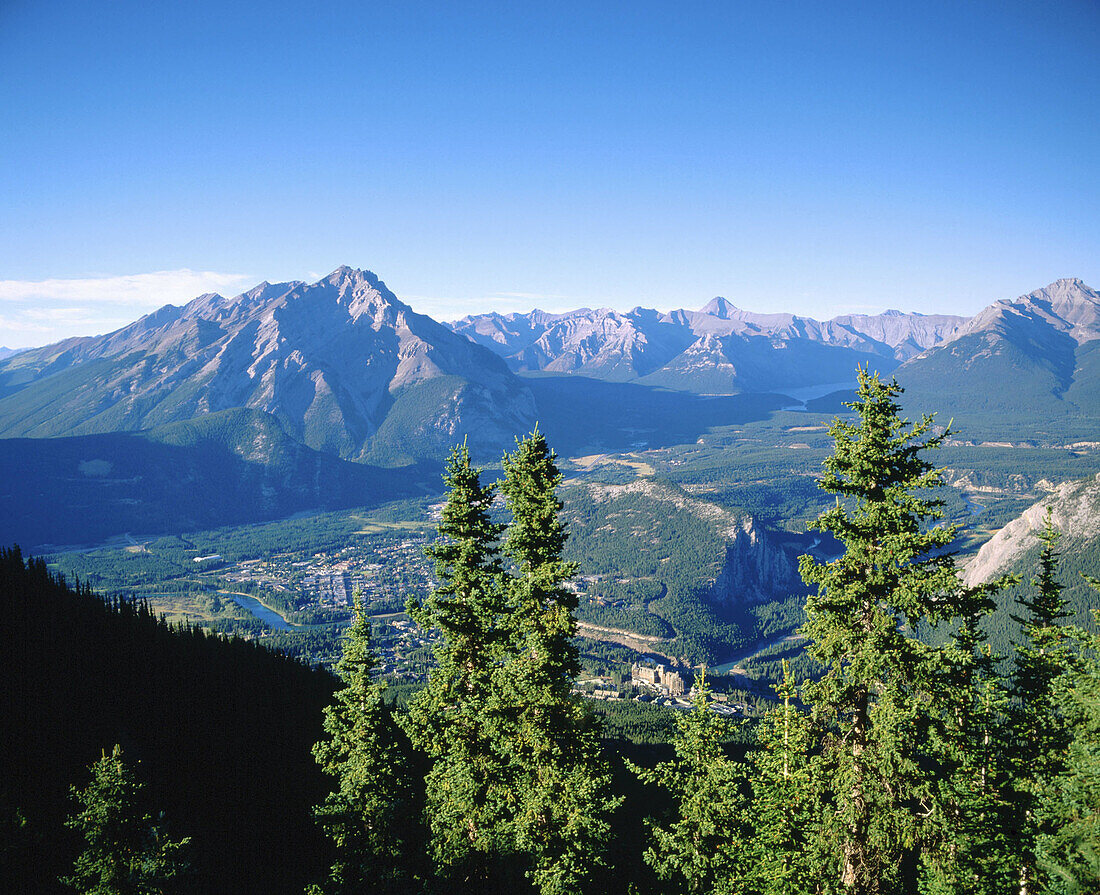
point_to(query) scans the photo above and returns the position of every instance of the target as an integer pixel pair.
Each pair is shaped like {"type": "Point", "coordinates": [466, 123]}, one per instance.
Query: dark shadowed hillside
{"type": "Point", "coordinates": [220, 733]}
{"type": "Point", "coordinates": [225, 468]}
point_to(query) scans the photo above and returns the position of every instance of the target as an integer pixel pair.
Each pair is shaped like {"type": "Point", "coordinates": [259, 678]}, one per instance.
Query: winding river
{"type": "Point", "coordinates": [262, 612]}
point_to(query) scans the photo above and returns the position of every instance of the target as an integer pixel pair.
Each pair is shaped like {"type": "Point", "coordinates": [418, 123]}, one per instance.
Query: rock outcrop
{"type": "Point", "coordinates": [1075, 512]}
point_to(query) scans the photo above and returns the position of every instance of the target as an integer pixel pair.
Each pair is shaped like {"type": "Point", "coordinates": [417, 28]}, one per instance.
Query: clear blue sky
{"type": "Point", "coordinates": [815, 157]}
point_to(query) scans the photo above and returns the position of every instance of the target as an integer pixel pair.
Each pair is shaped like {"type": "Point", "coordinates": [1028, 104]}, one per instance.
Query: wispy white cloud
{"type": "Point", "coordinates": [22, 326]}
{"type": "Point", "coordinates": [59, 315]}
{"type": "Point", "coordinates": [148, 290]}
{"type": "Point", "coordinates": [43, 311]}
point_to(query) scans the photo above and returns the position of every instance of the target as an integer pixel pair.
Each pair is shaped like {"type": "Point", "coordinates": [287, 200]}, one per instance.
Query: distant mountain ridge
{"type": "Point", "coordinates": [342, 364]}
{"type": "Point", "coordinates": [1038, 355]}
{"type": "Point", "coordinates": [347, 369]}
{"type": "Point", "coordinates": [719, 348]}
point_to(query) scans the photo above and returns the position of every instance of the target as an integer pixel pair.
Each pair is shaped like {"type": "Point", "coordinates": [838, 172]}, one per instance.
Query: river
{"type": "Point", "coordinates": [258, 609]}
{"type": "Point", "coordinates": [808, 393]}
{"type": "Point", "coordinates": [733, 666]}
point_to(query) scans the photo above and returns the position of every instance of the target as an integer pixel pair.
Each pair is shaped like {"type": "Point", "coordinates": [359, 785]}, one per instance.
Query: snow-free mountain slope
{"type": "Point", "coordinates": [330, 360]}
{"type": "Point", "coordinates": [1032, 355]}
{"type": "Point", "coordinates": [717, 349]}
{"type": "Point", "coordinates": [1075, 512]}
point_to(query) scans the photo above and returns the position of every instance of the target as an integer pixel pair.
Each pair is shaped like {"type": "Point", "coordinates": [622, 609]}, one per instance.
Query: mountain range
{"type": "Point", "coordinates": [1038, 354]}
{"type": "Point", "coordinates": [289, 396]}
{"type": "Point", "coordinates": [348, 369]}
{"type": "Point", "coordinates": [719, 348]}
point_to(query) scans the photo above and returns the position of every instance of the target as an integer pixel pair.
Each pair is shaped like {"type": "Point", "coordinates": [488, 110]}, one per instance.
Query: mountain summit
{"type": "Point", "coordinates": [342, 364]}
{"type": "Point", "coordinates": [1037, 353]}
{"type": "Point", "coordinates": [720, 348]}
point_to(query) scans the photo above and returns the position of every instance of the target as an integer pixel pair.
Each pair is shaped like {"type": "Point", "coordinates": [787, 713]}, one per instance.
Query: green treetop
{"type": "Point", "coordinates": [1039, 733]}
{"type": "Point", "coordinates": [1045, 650]}
{"type": "Point", "coordinates": [1068, 815]}
{"type": "Point", "coordinates": [370, 816]}
{"type": "Point", "coordinates": [126, 850]}
{"type": "Point", "coordinates": [560, 778]}
{"type": "Point", "coordinates": [702, 850]}
{"type": "Point", "coordinates": [458, 719]}
{"type": "Point", "coordinates": [883, 687]}
{"type": "Point", "coordinates": [782, 854]}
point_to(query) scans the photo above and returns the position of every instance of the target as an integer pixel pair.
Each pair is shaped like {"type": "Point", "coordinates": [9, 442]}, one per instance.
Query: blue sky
{"type": "Point", "coordinates": [820, 158]}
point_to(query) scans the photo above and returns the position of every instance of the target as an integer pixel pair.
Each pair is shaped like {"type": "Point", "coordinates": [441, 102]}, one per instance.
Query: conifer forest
{"type": "Point", "coordinates": [904, 752]}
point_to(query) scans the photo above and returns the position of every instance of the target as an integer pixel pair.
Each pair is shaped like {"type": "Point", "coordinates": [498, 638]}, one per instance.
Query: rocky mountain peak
{"type": "Point", "coordinates": [719, 307]}
{"type": "Point", "coordinates": [1066, 306]}
{"type": "Point", "coordinates": [328, 360]}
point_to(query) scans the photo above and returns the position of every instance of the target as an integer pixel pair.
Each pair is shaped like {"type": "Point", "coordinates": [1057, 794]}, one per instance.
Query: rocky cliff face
{"type": "Point", "coordinates": [756, 567]}
{"type": "Point", "coordinates": [332, 361]}
{"type": "Point", "coordinates": [719, 348]}
{"type": "Point", "coordinates": [1075, 510]}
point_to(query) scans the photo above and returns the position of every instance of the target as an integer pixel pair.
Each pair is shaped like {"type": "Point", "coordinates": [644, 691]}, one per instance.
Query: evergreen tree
{"type": "Point", "coordinates": [1068, 847]}
{"type": "Point", "coordinates": [782, 854]}
{"type": "Point", "coordinates": [883, 689]}
{"type": "Point", "coordinates": [560, 778]}
{"type": "Point", "coordinates": [969, 839]}
{"type": "Point", "coordinates": [703, 850]}
{"type": "Point", "coordinates": [1040, 735]}
{"type": "Point", "coordinates": [370, 816]}
{"type": "Point", "coordinates": [126, 852]}
{"type": "Point", "coordinates": [459, 719]}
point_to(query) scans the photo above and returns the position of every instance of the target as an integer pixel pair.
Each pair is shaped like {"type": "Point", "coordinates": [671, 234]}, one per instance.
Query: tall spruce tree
{"type": "Point", "coordinates": [1068, 846]}
{"type": "Point", "coordinates": [561, 781]}
{"type": "Point", "coordinates": [782, 854]}
{"type": "Point", "coordinates": [704, 849]}
{"type": "Point", "coordinates": [969, 838]}
{"type": "Point", "coordinates": [459, 719]}
{"type": "Point", "coordinates": [1039, 733]}
{"type": "Point", "coordinates": [883, 687]}
{"type": "Point", "coordinates": [371, 815]}
{"type": "Point", "coordinates": [127, 851]}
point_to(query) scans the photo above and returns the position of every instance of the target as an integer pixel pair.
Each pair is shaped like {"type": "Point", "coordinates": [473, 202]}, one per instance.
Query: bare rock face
{"type": "Point", "coordinates": [1065, 306]}
{"type": "Point", "coordinates": [719, 348]}
{"type": "Point", "coordinates": [330, 360]}
{"type": "Point", "coordinates": [1075, 511]}
{"type": "Point", "coordinates": [755, 568]}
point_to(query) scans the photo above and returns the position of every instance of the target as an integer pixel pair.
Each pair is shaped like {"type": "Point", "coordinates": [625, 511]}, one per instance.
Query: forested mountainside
{"type": "Point", "coordinates": [220, 732]}
{"type": "Point", "coordinates": [492, 776]}
{"type": "Point", "coordinates": [227, 468]}
{"type": "Point", "coordinates": [696, 580]}
{"type": "Point", "coordinates": [1027, 367]}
